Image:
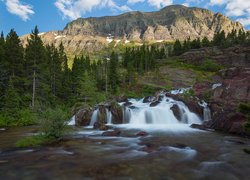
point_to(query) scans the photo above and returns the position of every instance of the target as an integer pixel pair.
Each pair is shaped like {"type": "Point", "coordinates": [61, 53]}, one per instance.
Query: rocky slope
{"type": "Point", "coordinates": [168, 24]}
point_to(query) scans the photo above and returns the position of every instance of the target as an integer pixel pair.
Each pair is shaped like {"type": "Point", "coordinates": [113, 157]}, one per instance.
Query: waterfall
{"type": "Point", "coordinates": [140, 113]}
{"type": "Point", "coordinates": [94, 117]}
{"type": "Point", "coordinates": [72, 121]}
{"type": "Point", "coordinates": [206, 111]}
{"type": "Point", "coordinates": [109, 116]}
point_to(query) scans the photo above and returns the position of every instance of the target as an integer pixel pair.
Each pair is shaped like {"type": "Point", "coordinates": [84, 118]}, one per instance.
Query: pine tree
{"type": "Point", "coordinates": [113, 73]}
{"type": "Point", "coordinates": [87, 90]}
{"type": "Point", "coordinates": [37, 72]}
{"type": "Point", "coordinates": [205, 42]}
{"type": "Point", "coordinates": [3, 69]}
{"type": "Point", "coordinates": [177, 48]}
{"type": "Point", "coordinates": [12, 101]}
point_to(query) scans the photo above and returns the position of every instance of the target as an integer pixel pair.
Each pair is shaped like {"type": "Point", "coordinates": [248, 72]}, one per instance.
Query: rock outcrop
{"type": "Point", "coordinates": [168, 24]}
{"type": "Point", "coordinates": [83, 117]}
{"type": "Point", "coordinates": [225, 97]}
{"type": "Point", "coordinates": [238, 56]}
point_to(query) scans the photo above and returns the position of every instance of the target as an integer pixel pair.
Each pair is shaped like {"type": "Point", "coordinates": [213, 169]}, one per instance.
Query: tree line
{"type": "Point", "coordinates": [220, 39]}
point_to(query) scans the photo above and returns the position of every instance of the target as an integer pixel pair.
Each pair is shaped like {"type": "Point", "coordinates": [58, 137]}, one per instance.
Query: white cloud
{"type": "Point", "coordinates": [134, 1]}
{"type": "Point", "coordinates": [160, 3]}
{"type": "Point", "coordinates": [244, 21]}
{"type": "Point", "coordinates": [235, 8]}
{"type": "Point", "coordinates": [24, 11]}
{"type": "Point", "coordinates": [74, 9]}
{"type": "Point", "coordinates": [186, 4]}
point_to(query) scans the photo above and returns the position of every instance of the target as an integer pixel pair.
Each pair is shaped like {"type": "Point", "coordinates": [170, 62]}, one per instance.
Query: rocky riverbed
{"type": "Point", "coordinates": [141, 153]}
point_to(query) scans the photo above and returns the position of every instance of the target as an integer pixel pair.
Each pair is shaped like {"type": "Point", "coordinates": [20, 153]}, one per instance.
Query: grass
{"type": "Point", "coordinates": [34, 141]}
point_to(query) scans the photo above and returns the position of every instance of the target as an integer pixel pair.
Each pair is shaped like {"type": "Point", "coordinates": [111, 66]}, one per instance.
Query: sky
{"type": "Point", "coordinates": [24, 15]}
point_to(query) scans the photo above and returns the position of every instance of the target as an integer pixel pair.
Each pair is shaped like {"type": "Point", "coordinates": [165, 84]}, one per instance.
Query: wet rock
{"type": "Point", "coordinates": [116, 111]}
{"type": "Point", "coordinates": [198, 126]}
{"type": "Point", "coordinates": [148, 99]}
{"type": "Point", "coordinates": [142, 133]}
{"type": "Point", "coordinates": [177, 112]}
{"type": "Point", "coordinates": [83, 117]}
{"type": "Point", "coordinates": [193, 106]}
{"type": "Point", "coordinates": [180, 146]}
{"type": "Point", "coordinates": [100, 126]}
{"type": "Point", "coordinates": [111, 133]}
{"type": "Point", "coordinates": [122, 99]}
{"type": "Point", "coordinates": [127, 104]}
{"type": "Point", "coordinates": [227, 120]}
{"type": "Point", "coordinates": [155, 103]}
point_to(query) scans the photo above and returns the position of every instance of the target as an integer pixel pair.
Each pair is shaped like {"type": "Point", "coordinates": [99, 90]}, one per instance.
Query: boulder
{"type": "Point", "coordinates": [117, 113]}
{"type": "Point", "coordinates": [83, 117]}
{"type": "Point", "coordinates": [111, 133]}
{"type": "Point", "coordinates": [155, 103]}
{"type": "Point", "coordinates": [121, 99]}
{"type": "Point", "coordinates": [148, 99]}
{"type": "Point", "coordinates": [142, 133]}
{"type": "Point", "coordinates": [176, 111]}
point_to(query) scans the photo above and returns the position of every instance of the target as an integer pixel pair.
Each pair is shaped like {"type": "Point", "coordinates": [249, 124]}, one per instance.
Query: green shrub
{"type": "Point", "coordinates": [53, 122]}
{"type": "Point", "coordinates": [189, 93]}
{"type": "Point", "coordinates": [245, 109]}
{"type": "Point", "coordinates": [210, 66]}
{"type": "Point", "coordinates": [26, 117]}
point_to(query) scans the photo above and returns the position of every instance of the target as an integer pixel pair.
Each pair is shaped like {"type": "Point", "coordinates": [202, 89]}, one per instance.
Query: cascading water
{"type": "Point", "coordinates": [140, 113]}
{"type": "Point", "coordinates": [72, 121]}
{"type": "Point", "coordinates": [206, 111]}
{"type": "Point", "coordinates": [94, 117]}
{"type": "Point", "coordinates": [109, 116]}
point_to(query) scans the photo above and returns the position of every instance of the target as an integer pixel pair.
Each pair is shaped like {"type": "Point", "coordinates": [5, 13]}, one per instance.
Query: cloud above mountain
{"type": "Point", "coordinates": [73, 9]}
{"type": "Point", "coordinates": [235, 8]}
{"type": "Point", "coordinates": [16, 7]}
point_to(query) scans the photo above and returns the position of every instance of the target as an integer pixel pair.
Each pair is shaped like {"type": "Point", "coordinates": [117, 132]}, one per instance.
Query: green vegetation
{"type": "Point", "coordinates": [220, 39]}
{"type": "Point", "coordinates": [53, 127]}
{"type": "Point", "coordinates": [244, 108]}
{"type": "Point", "coordinates": [34, 141]}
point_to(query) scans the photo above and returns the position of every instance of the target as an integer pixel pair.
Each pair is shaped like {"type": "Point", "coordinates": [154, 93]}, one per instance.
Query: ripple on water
{"type": "Point", "coordinates": [187, 152]}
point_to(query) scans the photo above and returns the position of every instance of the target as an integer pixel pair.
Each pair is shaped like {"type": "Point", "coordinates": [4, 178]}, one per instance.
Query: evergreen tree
{"type": "Point", "coordinates": [219, 39]}
{"type": "Point", "coordinates": [87, 90]}
{"type": "Point", "coordinates": [37, 72]}
{"type": "Point", "coordinates": [3, 69]}
{"type": "Point", "coordinates": [12, 101]}
{"type": "Point", "coordinates": [205, 42]}
{"type": "Point", "coordinates": [177, 48]}
{"type": "Point", "coordinates": [113, 72]}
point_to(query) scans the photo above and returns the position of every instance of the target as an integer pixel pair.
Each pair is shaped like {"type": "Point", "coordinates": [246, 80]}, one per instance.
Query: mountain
{"type": "Point", "coordinates": [170, 23]}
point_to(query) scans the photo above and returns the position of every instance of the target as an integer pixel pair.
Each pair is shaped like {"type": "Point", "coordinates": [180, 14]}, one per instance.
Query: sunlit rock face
{"type": "Point", "coordinates": [168, 24]}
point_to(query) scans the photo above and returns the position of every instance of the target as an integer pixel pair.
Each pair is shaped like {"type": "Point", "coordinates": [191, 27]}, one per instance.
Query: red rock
{"type": "Point", "coordinates": [142, 133]}
{"type": "Point", "coordinates": [111, 133]}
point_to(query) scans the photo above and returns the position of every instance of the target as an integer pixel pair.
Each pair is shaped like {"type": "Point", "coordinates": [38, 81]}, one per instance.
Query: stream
{"type": "Point", "coordinates": [152, 143]}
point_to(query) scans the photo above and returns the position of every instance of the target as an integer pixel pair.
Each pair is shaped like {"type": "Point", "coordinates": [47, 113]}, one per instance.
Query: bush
{"type": "Point", "coordinates": [210, 66]}
{"type": "Point", "coordinates": [23, 117]}
{"type": "Point", "coordinates": [245, 109]}
{"type": "Point", "coordinates": [53, 122]}
{"type": "Point", "coordinates": [26, 117]}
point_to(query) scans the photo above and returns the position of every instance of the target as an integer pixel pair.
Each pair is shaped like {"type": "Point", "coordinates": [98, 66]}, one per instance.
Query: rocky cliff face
{"type": "Point", "coordinates": [168, 24]}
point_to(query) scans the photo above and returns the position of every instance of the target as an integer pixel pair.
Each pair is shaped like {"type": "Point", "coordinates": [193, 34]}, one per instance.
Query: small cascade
{"type": "Point", "coordinates": [140, 113]}
{"type": "Point", "coordinates": [72, 121]}
{"type": "Point", "coordinates": [206, 111]}
{"type": "Point", "coordinates": [109, 116]}
{"type": "Point", "coordinates": [94, 117]}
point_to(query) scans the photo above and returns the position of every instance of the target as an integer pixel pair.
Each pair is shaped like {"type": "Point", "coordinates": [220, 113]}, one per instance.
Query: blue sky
{"type": "Point", "coordinates": [23, 15]}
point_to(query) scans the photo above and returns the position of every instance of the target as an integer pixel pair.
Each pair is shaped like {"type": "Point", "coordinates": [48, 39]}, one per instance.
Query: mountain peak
{"type": "Point", "coordinates": [170, 23]}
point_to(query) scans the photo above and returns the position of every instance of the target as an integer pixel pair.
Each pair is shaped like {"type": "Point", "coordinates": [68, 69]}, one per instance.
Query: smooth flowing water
{"type": "Point", "coordinates": [169, 149]}
{"type": "Point", "coordinates": [162, 154]}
